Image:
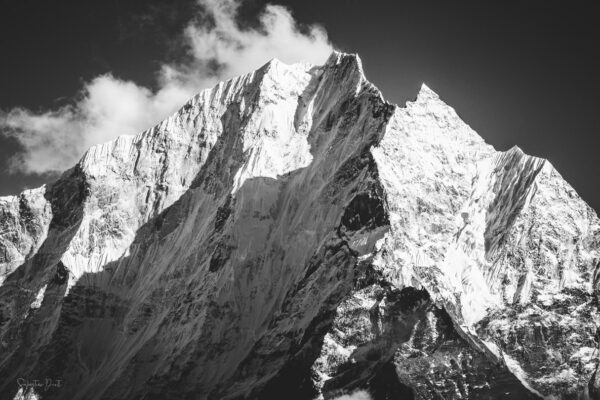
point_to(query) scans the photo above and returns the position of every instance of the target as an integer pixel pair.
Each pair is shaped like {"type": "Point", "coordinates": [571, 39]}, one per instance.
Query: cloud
{"type": "Point", "coordinates": [217, 48]}
{"type": "Point", "coordinates": [358, 395]}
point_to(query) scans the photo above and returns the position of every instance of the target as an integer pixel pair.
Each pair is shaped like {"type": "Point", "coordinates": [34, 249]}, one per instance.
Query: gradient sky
{"type": "Point", "coordinates": [520, 73]}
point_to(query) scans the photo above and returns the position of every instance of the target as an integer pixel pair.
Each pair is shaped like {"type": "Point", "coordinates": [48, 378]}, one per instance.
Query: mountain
{"type": "Point", "coordinates": [290, 234]}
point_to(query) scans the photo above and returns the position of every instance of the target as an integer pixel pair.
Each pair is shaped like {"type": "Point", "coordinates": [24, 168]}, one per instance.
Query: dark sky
{"type": "Point", "coordinates": [519, 72]}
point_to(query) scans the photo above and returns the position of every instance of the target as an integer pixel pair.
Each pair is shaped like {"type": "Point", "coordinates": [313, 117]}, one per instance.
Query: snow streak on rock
{"type": "Point", "coordinates": [290, 234]}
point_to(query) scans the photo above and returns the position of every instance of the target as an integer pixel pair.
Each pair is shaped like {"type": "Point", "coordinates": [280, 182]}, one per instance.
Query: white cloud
{"type": "Point", "coordinates": [108, 107]}
{"type": "Point", "coordinates": [358, 395]}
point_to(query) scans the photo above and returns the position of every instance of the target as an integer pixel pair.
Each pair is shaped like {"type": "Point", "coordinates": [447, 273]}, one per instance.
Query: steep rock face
{"type": "Point", "coordinates": [24, 220]}
{"type": "Point", "coordinates": [289, 233]}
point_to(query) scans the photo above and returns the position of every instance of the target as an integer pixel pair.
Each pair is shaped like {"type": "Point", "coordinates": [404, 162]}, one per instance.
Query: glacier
{"type": "Point", "coordinates": [291, 234]}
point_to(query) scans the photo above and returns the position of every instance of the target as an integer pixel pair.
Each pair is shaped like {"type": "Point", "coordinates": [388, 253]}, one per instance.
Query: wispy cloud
{"type": "Point", "coordinates": [217, 48]}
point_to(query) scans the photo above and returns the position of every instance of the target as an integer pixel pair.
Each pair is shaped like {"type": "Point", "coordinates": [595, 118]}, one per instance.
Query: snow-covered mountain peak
{"type": "Point", "coordinates": [426, 93]}
{"type": "Point", "coordinates": [290, 231]}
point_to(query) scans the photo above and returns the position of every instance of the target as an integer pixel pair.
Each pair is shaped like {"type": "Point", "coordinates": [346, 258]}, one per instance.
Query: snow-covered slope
{"type": "Point", "coordinates": [290, 234]}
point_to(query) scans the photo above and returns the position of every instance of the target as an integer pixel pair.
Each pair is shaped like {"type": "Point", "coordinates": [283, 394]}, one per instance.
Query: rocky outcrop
{"type": "Point", "coordinates": [290, 234]}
